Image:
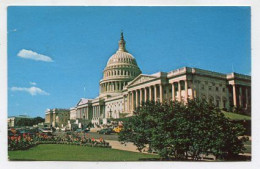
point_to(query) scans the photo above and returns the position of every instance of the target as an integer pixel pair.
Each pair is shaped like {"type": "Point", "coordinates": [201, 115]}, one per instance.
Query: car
{"type": "Point", "coordinates": [79, 130]}
{"type": "Point", "coordinates": [46, 130]}
{"type": "Point", "coordinates": [105, 131]}
{"type": "Point", "coordinates": [117, 129]}
{"type": "Point", "coordinates": [87, 130]}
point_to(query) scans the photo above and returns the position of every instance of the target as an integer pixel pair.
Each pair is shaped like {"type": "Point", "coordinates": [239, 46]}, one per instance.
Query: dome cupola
{"type": "Point", "coordinates": [120, 69]}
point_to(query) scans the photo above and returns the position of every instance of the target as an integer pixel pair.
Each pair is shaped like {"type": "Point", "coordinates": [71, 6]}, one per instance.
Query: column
{"type": "Point", "coordinates": [87, 116]}
{"type": "Point", "coordinates": [179, 91]}
{"type": "Point", "coordinates": [98, 111]}
{"type": "Point", "coordinates": [145, 95]}
{"type": "Point", "coordinates": [93, 112]}
{"type": "Point", "coordinates": [155, 93]}
{"type": "Point", "coordinates": [191, 88]}
{"type": "Point", "coordinates": [246, 97]}
{"type": "Point", "coordinates": [173, 92]}
{"type": "Point", "coordinates": [128, 102]}
{"type": "Point", "coordinates": [136, 98]}
{"type": "Point", "coordinates": [132, 103]}
{"type": "Point", "coordinates": [186, 90]}
{"type": "Point", "coordinates": [240, 96]}
{"type": "Point", "coordinates": [141, 96]}
{"type": "Point", "coordinates": [114, 86]}
{"type": "Point", "coordinates": [234, 95]}
{"type": "Point", "coordinates": [161, 93]}
{"type": "Point", "coordinates": [124, 96]}
{"type": "Point", "coordinates": [150, 93]}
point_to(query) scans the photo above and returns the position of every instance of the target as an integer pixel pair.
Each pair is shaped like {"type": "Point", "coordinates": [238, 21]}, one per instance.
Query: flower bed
{"type": "Point", "coordinates": [25, 142]}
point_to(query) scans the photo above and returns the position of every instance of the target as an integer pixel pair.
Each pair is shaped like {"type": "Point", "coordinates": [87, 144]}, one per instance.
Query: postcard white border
{"type": "Point", "coordinates": [255, 41]}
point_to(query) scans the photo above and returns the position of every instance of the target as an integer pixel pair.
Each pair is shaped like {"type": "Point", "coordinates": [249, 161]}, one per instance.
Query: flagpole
{"type": "Point", "coordinates": [84, 92]}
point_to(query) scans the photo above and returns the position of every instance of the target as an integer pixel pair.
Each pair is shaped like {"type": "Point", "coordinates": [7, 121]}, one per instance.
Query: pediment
{"type": "Point", "coordinates": [141, 79]}
{"type": "Point", "coordinates": [82, 101]}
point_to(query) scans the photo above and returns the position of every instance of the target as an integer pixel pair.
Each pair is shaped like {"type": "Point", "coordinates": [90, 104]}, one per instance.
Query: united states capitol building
{"type": "Point", "coordinates": [124, 87]}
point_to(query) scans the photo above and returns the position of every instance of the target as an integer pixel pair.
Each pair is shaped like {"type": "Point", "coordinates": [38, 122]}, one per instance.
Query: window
{"type": "Point", "coordinates": [209, 87]}
{"type": "Point", "coordinates": [216, 88]}
{"type": "Point", "coordinates": [224, 89]}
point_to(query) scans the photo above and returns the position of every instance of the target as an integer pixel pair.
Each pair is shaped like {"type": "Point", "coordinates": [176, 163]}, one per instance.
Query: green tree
{"type": "Point", "coordinates": [180, 131]}
{"type": "Point", "coordinates": [29, 121]}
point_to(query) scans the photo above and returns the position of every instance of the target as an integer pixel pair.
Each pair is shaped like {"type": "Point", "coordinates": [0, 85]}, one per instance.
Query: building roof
{"type": "Point", "coordinates": [84, 101]}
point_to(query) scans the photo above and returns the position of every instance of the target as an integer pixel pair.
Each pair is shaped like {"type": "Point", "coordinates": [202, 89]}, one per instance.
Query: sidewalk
{"type": "Point", "coordinates": [127, 146]}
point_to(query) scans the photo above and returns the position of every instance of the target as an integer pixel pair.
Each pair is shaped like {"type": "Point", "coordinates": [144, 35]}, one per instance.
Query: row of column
{"type": "Point", "coordinates": [179, 97]}
{"type": "Point", "coordinates": [136, 97]}
{"type": "Point", "coordinates": [83, 112]}
{"type": "Point", "coordinates": [238, 95]}
{"type": "Point", "coordinates": [119, 73]}
{"type": "Point", "coordinates": [155, 93]}
{"type": "Point", "coordinates": [96, 112]}
{"type": "Point", "coordinates": [112, 86]}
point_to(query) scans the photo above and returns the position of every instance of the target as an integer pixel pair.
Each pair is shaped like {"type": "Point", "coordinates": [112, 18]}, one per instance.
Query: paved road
{"type": "Point", "coordinates": [112, 136]}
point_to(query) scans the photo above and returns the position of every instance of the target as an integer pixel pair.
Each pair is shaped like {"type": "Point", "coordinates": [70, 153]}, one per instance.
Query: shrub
{"type": "Point", "coordinates": [180, 131]}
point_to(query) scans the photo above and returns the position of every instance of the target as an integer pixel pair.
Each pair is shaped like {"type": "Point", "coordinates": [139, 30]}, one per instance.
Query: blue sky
{"type": "Point", "coordinates": [71, 46]}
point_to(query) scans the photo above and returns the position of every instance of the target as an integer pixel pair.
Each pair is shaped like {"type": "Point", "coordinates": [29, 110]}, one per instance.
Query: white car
{"type": "Point", "coordinates": [46, 130]}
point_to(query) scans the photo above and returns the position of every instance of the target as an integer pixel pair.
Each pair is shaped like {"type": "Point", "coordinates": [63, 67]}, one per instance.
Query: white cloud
{"type": "Point", "coordinates": [33, 83]}
{"type": "Point", "coordinates": [32, 90]}
{"type": "Point", "coordinates": [28, 54]}
{"type": "Point", "coordinates": [12, 30]}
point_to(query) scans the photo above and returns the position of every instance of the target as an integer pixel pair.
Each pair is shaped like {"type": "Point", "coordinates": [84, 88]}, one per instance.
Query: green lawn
{"type": "Point", "coordinates": [234, 116]}
{"type": "Point", "coordinates": [57, 152]}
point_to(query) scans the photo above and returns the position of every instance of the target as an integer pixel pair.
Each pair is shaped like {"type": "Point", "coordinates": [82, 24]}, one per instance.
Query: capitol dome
{"type": "Point", "coordinates": [120, 69]}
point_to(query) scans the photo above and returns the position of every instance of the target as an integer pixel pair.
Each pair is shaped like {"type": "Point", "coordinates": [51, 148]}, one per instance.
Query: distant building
{"type": "Point", "coordinates": [13, 120]}
{"type": "Point", "coordinates": [57, 117]}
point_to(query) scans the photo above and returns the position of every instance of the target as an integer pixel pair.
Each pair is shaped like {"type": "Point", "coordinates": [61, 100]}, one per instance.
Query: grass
{"type": "Point", "coordinates": [234, 116]}
{"type": "Point", "coordinates": [56, 152]}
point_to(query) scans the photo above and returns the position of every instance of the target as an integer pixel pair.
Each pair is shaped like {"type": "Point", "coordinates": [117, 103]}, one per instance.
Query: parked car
{"type": "Point", "coordinates": [46, 130]}
{"type": "Point", "coordinates": [118, 129]}
{"type": "Point", "coordinates": [105, 131]}
{"type": "Point", "coordinates": [87, 130]}
{"type": "Point", "coordinates": [79, 130]}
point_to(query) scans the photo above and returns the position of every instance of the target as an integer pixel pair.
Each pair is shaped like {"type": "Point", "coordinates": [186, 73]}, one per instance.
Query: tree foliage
{"type": "Point", "coordinates": [182, 131]}
{"type": "Point", "coordinates": [29, 121]}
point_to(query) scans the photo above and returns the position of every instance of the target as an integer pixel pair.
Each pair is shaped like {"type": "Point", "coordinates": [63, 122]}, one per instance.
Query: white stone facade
{"type": "Point", "coordinates": [124, 87]}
